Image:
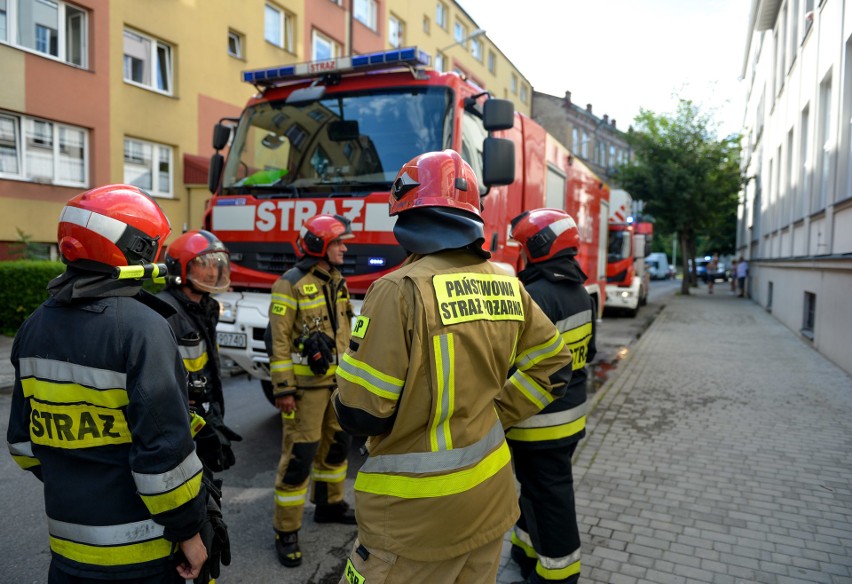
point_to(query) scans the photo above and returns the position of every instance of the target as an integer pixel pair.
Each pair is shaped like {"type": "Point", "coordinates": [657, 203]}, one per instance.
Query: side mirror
{"type": "Point", "coordinates": [221, 135]}
{"type": "Point", "coordinates": [498, 162]}
{"type": "Point", "coordinates": [498, 114]}
{"type": "Point", "coordinates": [217, 162]}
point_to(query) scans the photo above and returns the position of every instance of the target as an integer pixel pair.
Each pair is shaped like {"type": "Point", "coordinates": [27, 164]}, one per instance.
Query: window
{"type": "Point", "coordinates": [147, 62]}
{"type": "Point", "coordinates": [769, 290]}
{"type": "Point", "coordinates": [148, 166]}
{"type": "Point", "coordinates": [459, 32]}
{"type": "Point", "coordinates": [42, 151]}
{"type": "Point", "coordinates": [439, 62]}
{"type": "Point", "coordinates": [426, 24]}
{"type": "Point", "coordinates": [476, 49]}
{"type": "Point", "coordinates": [809, 315]}
{"type": "Point", "coordinates": [48, 27]}
{"type": "Point", "coordinates": [278, 27]}
{"type": "Point", "coordinates": [523, 93]}
{"type": "Point", "coordinates": [825, 140]}
{"type": "Point", "coordinates": [809, 18]}
{"type": "Point", "coordinates": [396, 32]}
{"type": "Point", "coordinates": [492, 62]}
{"type": "Point", "coordinates": [323, 48]}
{"type": "Point", "coordinates": [584, 146]}
{"type": "Point", "coordinates": [575, 140]}
{"type": "Point", "coordinates": [441, 15]}
{"type": "Point", "coordinates": [514, 84]}
{"type": "Point", "coordinates": [793, 34]}
{"type": "Point", "coordinates": [235, 44]}
{"type": "Point", "coordinates": [364, 11]}
{"type": "Point", "coordinates": [804, 191]}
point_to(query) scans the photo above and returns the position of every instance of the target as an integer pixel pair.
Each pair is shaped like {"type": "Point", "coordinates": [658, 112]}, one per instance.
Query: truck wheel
{"type": "Point", "coordinates": [267, 390]}
{"type": "Point", "coordinates": [632, 312]}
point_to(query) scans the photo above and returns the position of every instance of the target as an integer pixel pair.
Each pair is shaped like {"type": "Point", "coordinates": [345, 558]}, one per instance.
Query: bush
{"type": "Point", "coordinates": [23, 287]}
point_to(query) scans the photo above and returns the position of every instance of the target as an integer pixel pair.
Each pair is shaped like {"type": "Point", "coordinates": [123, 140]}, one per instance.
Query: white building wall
{"type": "Point", "coordinates": [795, 216]}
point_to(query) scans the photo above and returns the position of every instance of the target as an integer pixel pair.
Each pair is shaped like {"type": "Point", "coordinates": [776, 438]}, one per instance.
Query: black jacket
{"type": "Point", "coordinates": [557, 287]}
{"type": "Point", "coordinates": [100, 415]}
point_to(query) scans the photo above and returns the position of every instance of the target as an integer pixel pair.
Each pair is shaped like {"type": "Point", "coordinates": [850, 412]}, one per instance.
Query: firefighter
{"type": "Point", "coordinates": [426, 378]}
{"type": "Point", "coordinates": [310, 318]}
{"type": "Point", "coordinates": [546, 540]}
{"type": "Point", "coordinates": [99, 410]}
{"type": "Point", "coordinates": [202, 264]}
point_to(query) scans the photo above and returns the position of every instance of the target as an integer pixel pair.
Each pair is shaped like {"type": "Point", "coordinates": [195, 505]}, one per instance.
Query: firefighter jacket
{"type": "Point", "coordinates": [306, 299]}
{"type": "Point", "coordinates": [426, 377]}
{"type": "Point", "coordinates": [194, 325]}
{"type": "Point", "coordinates": [99, 414]}
{"type": "Point", "coordinates": [557, 287]}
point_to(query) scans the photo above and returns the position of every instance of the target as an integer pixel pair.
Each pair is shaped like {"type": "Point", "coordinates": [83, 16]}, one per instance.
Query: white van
{"type": "Point", "coordinates": [658, 266]}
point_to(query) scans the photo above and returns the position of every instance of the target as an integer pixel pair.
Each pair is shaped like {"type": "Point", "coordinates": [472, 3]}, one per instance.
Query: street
{"type": "Point", "coordinates": [249, 484]}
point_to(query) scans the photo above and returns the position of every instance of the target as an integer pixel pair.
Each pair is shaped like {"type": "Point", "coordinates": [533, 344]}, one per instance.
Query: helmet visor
{"type": "Point", "coordinates": [210, 272]}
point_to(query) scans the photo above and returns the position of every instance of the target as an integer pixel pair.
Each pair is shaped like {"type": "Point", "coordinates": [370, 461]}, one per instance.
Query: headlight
{"type": "Point", "coordinates": [227, 311]}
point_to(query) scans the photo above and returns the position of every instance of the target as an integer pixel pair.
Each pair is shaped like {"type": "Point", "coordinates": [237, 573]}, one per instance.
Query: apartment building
{"type": "Point", "coordinates": [596, 140]}
{"type": "Point", "coordinates": [98, 92]}
{"type": "Point", "coordinates": [795, 214]}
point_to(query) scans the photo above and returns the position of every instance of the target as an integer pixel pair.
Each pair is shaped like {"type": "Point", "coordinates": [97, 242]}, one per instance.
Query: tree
{"type": "Point", "coordinates": [688, 179]}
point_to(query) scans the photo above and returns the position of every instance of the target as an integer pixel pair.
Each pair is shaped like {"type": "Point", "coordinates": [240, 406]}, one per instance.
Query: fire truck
{"type": "Point", "coordinates": [330, 137]}
{"type": "Point", "coordinates": [628, 280]}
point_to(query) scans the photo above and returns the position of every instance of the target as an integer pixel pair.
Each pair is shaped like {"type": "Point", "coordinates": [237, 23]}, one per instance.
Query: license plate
{"type": "Point", "coordinates": [237, 340]}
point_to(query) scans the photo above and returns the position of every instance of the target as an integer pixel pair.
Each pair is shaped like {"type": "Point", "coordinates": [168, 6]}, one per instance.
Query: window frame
{"type": "Point", "coordinates": [62, 31]}
{"type": "Point", "coordinates": [400, 31]}
{"type": "Point", "coordinates": [333, 45]}
{"type": "Point", "coordinates": [22, 153]}
{"type": "Point", "coordinates": [441, 15]}
{"type": "Point", "coordinates": [156, 46]}
{"type": "Point", "coordinates": [492, 62]}
{"type": "Point", "coordinates": [477, 49]}
{"type": "Point", "coordinates": [156, 150]}
{"type": "Point", "coordinates": [239, 39]}
{"type": "Point", "coordinates": [372, 13]}
{"type": "Point", "coordinates": [286, 26]}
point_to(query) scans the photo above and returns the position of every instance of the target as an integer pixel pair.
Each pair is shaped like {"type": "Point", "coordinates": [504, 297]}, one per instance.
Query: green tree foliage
{"type": "Point", "coordinates": [688, 179]}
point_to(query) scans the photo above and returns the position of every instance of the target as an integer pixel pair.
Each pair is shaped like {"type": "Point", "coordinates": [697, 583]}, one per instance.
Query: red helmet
{"type": "Point", "coordinates": [435, 179]}
{"type": "Point", "coordinates": [201, 261]}
{"type": "Point", "coordinates": [545, 232]}
{"type": "Point", "coordinates": [116, 225]}
{"type": "Point", "coordinates": [319, 231]}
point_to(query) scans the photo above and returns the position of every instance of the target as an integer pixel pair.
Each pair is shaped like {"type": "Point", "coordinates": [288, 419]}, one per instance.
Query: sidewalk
{"type": "Point", "coordinates": [721, 452]}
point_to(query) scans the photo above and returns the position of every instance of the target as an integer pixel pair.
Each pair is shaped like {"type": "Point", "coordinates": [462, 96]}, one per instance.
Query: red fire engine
{"type": "Point", "coordinates": [329, 137]}
{"type": "Point", "coordinates": [628, 280]}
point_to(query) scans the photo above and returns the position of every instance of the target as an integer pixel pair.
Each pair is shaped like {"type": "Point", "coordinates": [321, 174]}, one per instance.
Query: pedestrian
{"type": "Point", "coordinates": [546, 538]}
{"type": "Point", "coordinates": [712, 268]}
{"type": "Point", "coordinates": [733, 276]}
{"type": "Point", "coordinates": [426, 378]}
{"type": "Point", "coordinates": [200, 265]}
{"type": "Point", "coordinates": [99, 409]}
{"type": "Point", "coordinates": [742, 274]}
{"type": "Point", "coordinates": [310, 319]}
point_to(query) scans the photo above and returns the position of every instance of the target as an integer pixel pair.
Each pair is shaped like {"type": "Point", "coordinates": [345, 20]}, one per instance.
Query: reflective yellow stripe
{"type": "Point", "coordinates": [49, 391]}
{"type": "Point", "coordinates": [318, 302]}
{"type": "Point", "coordinates": [423, 487]}
{"type": "Point", "coordinates": [557, 574]}
{"type": "Point", "coordinates": [578, 341]}
{"type": "Point", "coordinates": [549, 433]}
{"type": "Point", "coordinates": [26, 462]}
{"type": "Point", "coordinates": [532, 390]}
{"type": "Point", "coordinates": [305, 371]}
{"type": "Point", "coordinates": [280, 365]}
{"type": "Point", "coordinates": [290, 498]}
{"type": "Point", "coordinates": [135, 553]}
{"type": "Point", "coordinates": [439, 434]}
{"type": "Point", "coordinates": [330, 476]}
{"type": "Point", "coordinates": [370, 378]}
{"type": "Point", "coordinates": [289, 301]}
{"type": "Point", "coordinates": [193, 365]}
{"type": "Point", "coordinates": [173, 499]}
{"type": "Point", "coordinates": [77, 426]}
{"type": "Point", "coordinates": [538, 353]}
{"type": "Point", "coordinates": [521, 539]}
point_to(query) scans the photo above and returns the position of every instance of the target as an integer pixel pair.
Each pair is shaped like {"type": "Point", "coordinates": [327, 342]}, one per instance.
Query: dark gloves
{"type": "Point", "coordinates": [213, 442]}
{"type": "Point", "coordinates": [319, 351]}
{"type": "Point", "coordinates": [214, 534]}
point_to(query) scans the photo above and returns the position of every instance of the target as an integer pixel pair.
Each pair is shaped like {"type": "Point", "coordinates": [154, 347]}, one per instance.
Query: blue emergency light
{"type": "Point", "coordinates": [269, 77]}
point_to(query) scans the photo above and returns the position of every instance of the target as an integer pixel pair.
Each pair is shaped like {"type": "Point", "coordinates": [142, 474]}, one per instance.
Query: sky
{"type": "Point", "coordinates": [623, 55]}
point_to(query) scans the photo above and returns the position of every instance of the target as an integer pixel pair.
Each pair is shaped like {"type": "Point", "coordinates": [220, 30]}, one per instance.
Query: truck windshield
{"type": "Point", "coordinates": [618, 246]}
{"type": "Point", "coordinates": [345, 142]}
